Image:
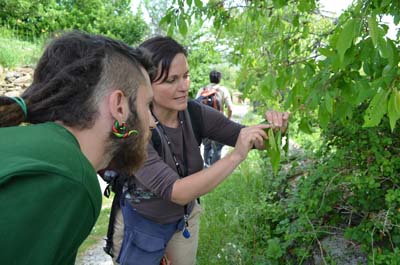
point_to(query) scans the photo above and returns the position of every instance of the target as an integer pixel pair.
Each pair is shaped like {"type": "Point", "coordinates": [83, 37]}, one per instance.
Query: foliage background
{"type": "Point", "coordinates": [31, 19]}
{"type": "Point", "coordinates": [339, 77]}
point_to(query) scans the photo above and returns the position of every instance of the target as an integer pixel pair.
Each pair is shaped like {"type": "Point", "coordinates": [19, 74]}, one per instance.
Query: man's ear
{"type": "Point", "coordinates": [118, 105]}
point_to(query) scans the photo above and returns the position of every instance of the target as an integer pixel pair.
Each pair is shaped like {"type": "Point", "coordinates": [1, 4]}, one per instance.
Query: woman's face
{"type": "Point", "coordinates": [172, 94]}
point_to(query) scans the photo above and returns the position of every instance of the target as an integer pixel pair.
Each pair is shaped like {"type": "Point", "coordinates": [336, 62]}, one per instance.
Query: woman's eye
{"type": "Point", "coordinates": [170, 81]}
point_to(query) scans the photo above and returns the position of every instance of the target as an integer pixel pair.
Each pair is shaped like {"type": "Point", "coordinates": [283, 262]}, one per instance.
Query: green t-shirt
{"type": "Point", "coordinates": [50, 197]}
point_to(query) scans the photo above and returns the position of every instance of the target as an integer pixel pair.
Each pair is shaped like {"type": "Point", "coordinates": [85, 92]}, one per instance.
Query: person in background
{"type": "Point", "coordinates": [88, 102]}
{"type": "Point", "coordinates": [158, 211]}
{"type": "Point", "coordinates": [212, 149]}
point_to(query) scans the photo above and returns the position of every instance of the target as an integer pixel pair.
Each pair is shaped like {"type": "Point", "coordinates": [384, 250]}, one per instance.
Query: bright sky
{"type": "Point", "coordinates": [336, 7]}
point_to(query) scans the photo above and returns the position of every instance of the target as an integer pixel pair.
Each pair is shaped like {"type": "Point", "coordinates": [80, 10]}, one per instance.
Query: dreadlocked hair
{"type": "Point", "coordinates": [74, 73]}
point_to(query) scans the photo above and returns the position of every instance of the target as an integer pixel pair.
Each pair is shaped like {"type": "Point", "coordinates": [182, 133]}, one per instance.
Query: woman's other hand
{"type": "Point", "coordinates": [278, 119]}
{"type": "Point", "coordinates": [249, 137]}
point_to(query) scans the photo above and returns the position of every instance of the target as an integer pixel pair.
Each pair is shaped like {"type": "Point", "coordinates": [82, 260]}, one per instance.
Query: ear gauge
{"type": "Point", "coordinates": [120, 131]}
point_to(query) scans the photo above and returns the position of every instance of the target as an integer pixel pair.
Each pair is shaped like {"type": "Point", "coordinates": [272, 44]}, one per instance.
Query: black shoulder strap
{"type": "Point", "coordinates": [117, 187]}
{"type": "Point", "coordinates": [156, 140]}
{"type": "Point", "coordinates": [196, 119]}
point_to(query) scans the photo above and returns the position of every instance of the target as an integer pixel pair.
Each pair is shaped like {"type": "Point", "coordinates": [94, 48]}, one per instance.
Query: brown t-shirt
{"type": "Point", "coordinates": [159, 172]}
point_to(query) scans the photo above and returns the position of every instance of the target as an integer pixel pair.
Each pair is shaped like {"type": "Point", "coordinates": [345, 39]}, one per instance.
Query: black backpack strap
{"type": "Point", "coordinates": [156, 140]}
{"type": "Point", "coordinates": [196, 119]}
{"type": "Point", "coordinates": [117, 189]}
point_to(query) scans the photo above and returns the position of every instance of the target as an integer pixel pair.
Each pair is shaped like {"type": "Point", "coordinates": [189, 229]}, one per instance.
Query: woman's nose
{"type": "Point", "coordinates": [184, 84]}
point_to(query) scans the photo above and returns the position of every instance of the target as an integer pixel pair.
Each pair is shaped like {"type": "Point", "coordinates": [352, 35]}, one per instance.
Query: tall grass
{"type": "Point", "coordinates": [230, 228]}
{"type": "Point", "coordinates": [17, 52]}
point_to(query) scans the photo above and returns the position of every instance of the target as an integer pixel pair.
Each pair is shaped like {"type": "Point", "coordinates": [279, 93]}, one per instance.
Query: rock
{"type": "Point", "coordinates": [342, 251]}
{"type": "Point", "coordinates": [24, 70]}
{"type": "Point", "coordinates": [23, 79]}
{"type": "Point", "coordinates": [12, 94]}
{"type": "Point", "coordinates": [11, 75]}
{"type": "Point", "coordinates": [14, 82]}
{"type": "Point", "coordinates": [8, 86]}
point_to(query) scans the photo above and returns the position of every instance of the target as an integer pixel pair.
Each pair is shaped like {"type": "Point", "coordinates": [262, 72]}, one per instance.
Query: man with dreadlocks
{"type": "Point", "coordinates": [88, 102]}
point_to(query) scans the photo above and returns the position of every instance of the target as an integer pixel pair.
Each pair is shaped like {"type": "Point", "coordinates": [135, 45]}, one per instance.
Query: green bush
{"type": "Point", "coordinates": [34, 18]}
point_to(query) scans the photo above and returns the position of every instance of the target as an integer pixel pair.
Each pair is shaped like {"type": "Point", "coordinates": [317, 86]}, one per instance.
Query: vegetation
{"type": "Point", "coordinates": [340, 77]}
{"type": "Point", "coordinates": [32, 19]}
{"type": "Point", "coordinates": [16, 52]}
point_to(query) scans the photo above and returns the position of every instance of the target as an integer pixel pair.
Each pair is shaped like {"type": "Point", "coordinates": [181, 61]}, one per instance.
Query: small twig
{"type": "Point", "coordinates": [316, 238]}
{"type": "Point", "coordinates": [351, 215]}
{"type": "Point", "coordinates": [386, 218]}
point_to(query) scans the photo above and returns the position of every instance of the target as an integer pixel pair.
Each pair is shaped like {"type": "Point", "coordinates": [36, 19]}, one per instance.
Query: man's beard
{"type": "Point", "coordinates": [129, 154]}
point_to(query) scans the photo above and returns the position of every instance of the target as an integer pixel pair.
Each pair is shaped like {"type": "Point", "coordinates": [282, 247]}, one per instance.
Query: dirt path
{"type": "Point", "coordinates": [94, 256]}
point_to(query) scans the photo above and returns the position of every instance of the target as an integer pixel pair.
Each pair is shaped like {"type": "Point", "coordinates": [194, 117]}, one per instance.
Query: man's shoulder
{"type": "Point", "coordinates": [224, 89]}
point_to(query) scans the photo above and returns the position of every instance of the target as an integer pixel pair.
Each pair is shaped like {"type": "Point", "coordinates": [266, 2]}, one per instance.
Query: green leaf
{"type": "Point", "coordinates": [376, 109]}
{"type": "Point", "coordinates": [170, 31]}
{"type": "Point", "coordinates": [373, 29]}
{"type": "Point", "coordinates": [393, 53]}
{"type": "Point", "coordinates": [166, 19]}
{"type": "Point", "coordinates": [323, 116]}
{"type": "Point", "coordinates": [198, 3]}
{"type": "Point", "coordinates": [295, 21]}
{"type": "Point", "coordinates": [306, 5]}
{"type": "Point", "coordinates": [383, 48]}
{"type": "Point", "coordinates": [189, 3]}
{"type": "Point", "coordinates": [346, 37]}
{"type": "Point", "coordinates": [279, 3]}
{"type": "Point", "coordinates": [271, 139]}
{"type": "Point", "coordinates": [397, 102]}
{"type": "Point", "coordinates": [268, 85]}
{"type": "Point", "coordinates": [385, 3]}
{"type": "Point", "coordinates": [305, 126]}
{"type": "Point", "coordinates": [183, 28]}
{"type": "Point", "coordinates": [394, 108]}
{"type": "Point", "coordinates": [364, 91]}
{"type": "Point", "coordinates": [326, 52]}
{"type": "Point", "coordinates": [329, 103]}
{"type": "Point", "coordinates": [273, 146]}
{"type": "Point", "coordinates": [306, 31]}
{"type": "Point", "coordinates": [345, 112]}
{"type": "Point", "coordinates": [274, 250]}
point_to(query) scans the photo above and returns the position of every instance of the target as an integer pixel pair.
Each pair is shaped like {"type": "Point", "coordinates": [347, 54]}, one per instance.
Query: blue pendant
{"type": "Point", "coordinates": [186, 233]}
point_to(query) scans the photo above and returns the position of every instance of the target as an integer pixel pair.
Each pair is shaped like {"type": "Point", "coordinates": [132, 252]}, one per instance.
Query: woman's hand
{"type": "Point", "coordinates": [249, 137]}
{"type": "Point", "coordinates": [278, 119]}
